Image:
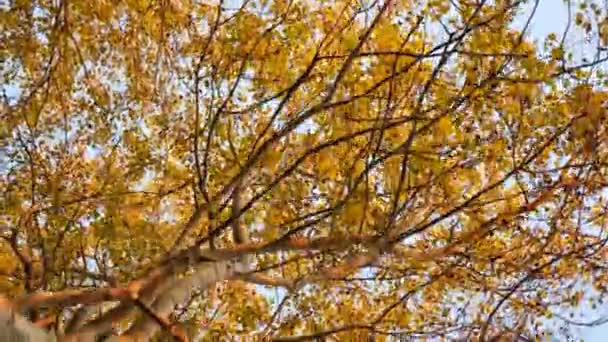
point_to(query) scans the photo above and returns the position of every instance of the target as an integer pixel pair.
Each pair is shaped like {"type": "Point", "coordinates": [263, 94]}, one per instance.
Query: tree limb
{"type": "Point", "coordinates": [16, 328]}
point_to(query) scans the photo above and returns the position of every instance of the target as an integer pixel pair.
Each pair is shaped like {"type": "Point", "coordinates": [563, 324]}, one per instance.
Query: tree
{"type": "Point", "coordinates": [294, 170]}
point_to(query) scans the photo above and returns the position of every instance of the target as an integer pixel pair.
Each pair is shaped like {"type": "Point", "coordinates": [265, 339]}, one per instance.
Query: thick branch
{"type": "Point", "coordinates": [16, 328]}
{"type": "Point", "coordinates": [205, 275]}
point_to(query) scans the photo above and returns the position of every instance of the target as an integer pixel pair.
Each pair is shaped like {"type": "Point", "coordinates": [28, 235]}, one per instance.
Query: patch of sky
{"type": "Point", "coordinates": [552, 17]}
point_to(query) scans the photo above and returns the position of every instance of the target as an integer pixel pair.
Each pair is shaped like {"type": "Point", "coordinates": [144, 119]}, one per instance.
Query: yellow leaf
{"type": "Point", "coordinates": [327, 165]}
{"type": "Point", "coordinates": [359, 167]}
{"type": "Point", "coordinates": [579, 19]}
{"type": "Point", "coordinates": [353, 212]}
{"type": "Point", "coordinates": [604, 32]}
{"type": "Point", "coordinates": [557, 53]}
{"type": "Point", "coordinates": [445, 126]}
{"type": "Point", "coordinates": [350, 41]}
{"type": "Point", "coordinates": [272, 159]}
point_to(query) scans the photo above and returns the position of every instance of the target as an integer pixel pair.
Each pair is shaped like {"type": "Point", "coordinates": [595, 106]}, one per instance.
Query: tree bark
{"type": "Point", "coordinates": [16, 328]}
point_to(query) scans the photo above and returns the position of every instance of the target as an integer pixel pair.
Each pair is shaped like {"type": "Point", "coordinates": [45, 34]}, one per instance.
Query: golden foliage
{"type": "Point", "coordinates": [437, 171]}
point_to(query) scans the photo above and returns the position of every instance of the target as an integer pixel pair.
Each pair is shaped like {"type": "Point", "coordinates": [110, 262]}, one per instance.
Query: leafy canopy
{"type": "Point", "coordinates": [294, 169]}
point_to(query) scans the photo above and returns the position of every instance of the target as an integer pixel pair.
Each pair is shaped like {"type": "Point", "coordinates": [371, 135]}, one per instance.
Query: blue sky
{"type": "Point", "coordinates": [552, 16]}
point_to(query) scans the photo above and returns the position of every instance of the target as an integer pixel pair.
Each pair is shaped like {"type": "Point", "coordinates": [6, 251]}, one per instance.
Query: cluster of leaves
{"type": "Point", "coordinates": [404, 168]}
